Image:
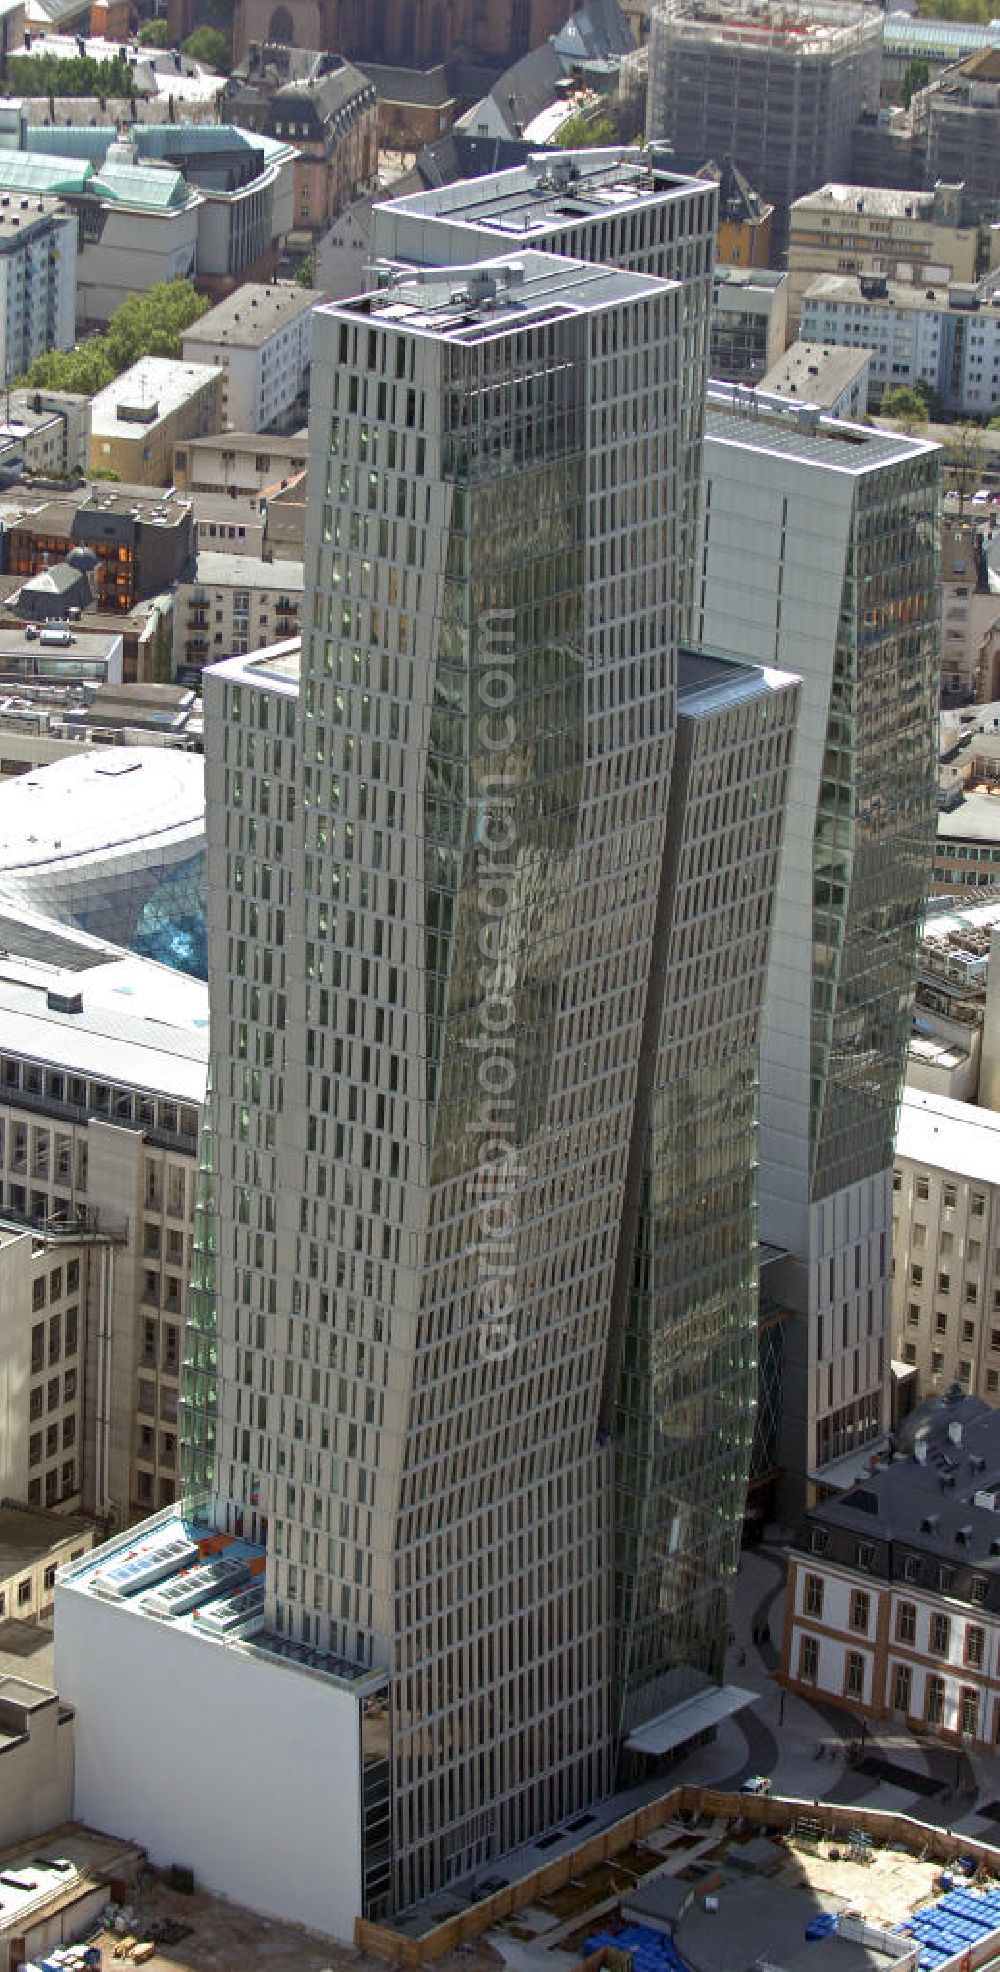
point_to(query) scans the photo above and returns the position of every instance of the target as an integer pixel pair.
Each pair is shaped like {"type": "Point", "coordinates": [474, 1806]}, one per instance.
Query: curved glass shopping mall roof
{"type": "Point", "coordinates": [113, 841]}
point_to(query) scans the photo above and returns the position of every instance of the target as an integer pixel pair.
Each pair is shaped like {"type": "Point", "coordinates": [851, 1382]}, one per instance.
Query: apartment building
{"type": "Point", "coordinates": [224, 526]}
{"type": "Point", "coordinates": [45, 431]}
{"type": "Point", "coordinates": [826, 375]}
{"type": "Point", "coordinates": [37, 281]}
{"type": "Point", "coordinates": [136, 421]}
{"type": "Point", "coordinates": [261, 339]}
{"type": "Point", "coordinates": [893, 1601]}
{"type": "Point", "coordinates": [947, 338]}
{"type": "Point", "coordinates": [970, 615]}
{"type": "Point", "coordinates": [33, 1546]}
{"type": "Point", "coordinates": [234, 604]}
{"type": "Point", "coordinates": [920, 238]}
{"type": "Point", "coordinates": [45, 1281]}
{"type": "Point", "coordinates": [238, 463]}
{"type": "Point", "coordinates": [946, 1217]}
{"type": "Point", "coordinates": [855, 864]}
{"type": "Point", "coordinates": [778, 90]}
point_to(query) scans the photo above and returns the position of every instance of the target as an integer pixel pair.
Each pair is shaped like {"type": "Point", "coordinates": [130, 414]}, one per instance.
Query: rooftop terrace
{"type": "Point", "coordinates": [176, 1569]}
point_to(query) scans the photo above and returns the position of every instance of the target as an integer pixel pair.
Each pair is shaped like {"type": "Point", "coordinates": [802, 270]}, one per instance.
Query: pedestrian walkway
{"type": "Point", "coordinates": [803, 1745]}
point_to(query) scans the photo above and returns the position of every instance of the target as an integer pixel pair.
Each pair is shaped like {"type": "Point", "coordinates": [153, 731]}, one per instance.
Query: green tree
{"type": "Point", "coordinates": [931, 400]}
{"type": "Point", "coordinates": [916, 75]}
{"type": "Point", "coordinates": [58, 75]}
{"type": "Point", "coordinates": [905, 404]}
{"type": "Point", "coordinates": [973, 12]}
{"type": "Point", "coordinates": [306, 274]}
{"type": "Point", "coordinates": [583, 131]}
{"type": "Point", "coordinates": [209, 46]}
{"type": "Point", "coordinates": [150, 324]}
{"type": "Point", "coordinates": [85, 369]}
{"type": "Point", "coordinates": [154, 34]}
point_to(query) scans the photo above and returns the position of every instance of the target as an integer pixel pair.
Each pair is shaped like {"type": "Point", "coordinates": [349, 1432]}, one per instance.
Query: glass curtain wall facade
{"type": "Point", "coordinates": [410, 1379]}
{"type": "Point", "coordinates": [683, 1413]}
{"type": "Point", "coordinates": [876, 825]}
{"type": "Point", "coordinates": [619, 208]}
{"type": "Point", "coordinates": [820, 550]}
{"type": "Point", "coordinates": [485, 981]}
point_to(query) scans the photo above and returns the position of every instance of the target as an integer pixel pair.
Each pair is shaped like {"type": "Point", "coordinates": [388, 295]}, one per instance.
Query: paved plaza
{"type": "Point", "coordinates": [805, 1747]}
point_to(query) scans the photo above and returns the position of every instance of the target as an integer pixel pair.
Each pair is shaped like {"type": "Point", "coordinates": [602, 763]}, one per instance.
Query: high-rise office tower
{"type": "Point", "coordinates": [821, 540]}
{"type": "Point", "coordinates": [623, 208]}
{"type": "Point", "coordinates": [484, 753]}
{"type": "Point", "coordinates": [490, 890]}
{"type": "Point", "coordinates": [680, 1383]}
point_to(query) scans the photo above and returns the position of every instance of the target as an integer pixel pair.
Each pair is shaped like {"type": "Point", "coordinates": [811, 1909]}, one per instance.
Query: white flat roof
{"type": "Point", "coordinates": [156, 385]}
{"type": "Point", "coordinates": [684, 1721]}
{"type": "Point", "coordinates": [178, 1571]}
{"type": "Point", "coordinates": [140, 1025]}
{"type": "Point", "coordinates": [224, 571]}
{"type": "Point", "coordinates": [955, 1136]}
{"type": "Point", "coordinates": [514, 288]}
{"type": "Point", "coordinates": [976, 819]}
{"type": "Point", "coordinates": [274, 665]}
{"type": "Point", "coordinates": [91, 806]}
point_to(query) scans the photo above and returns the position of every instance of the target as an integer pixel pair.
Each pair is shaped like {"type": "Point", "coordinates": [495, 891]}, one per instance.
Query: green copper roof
{"type": "Point", "coordinates": [73, 140]}
{"type": "Point", "coordinates": [26, 171]}
{"type": "Point", "coordinates": [141, 185]}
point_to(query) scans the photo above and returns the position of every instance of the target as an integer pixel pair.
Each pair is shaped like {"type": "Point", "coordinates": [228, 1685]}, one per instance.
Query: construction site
{"type": "Point", "coordinates": [703, 1881]}
{"type": "Point", "coordinates": [693, 1881]}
